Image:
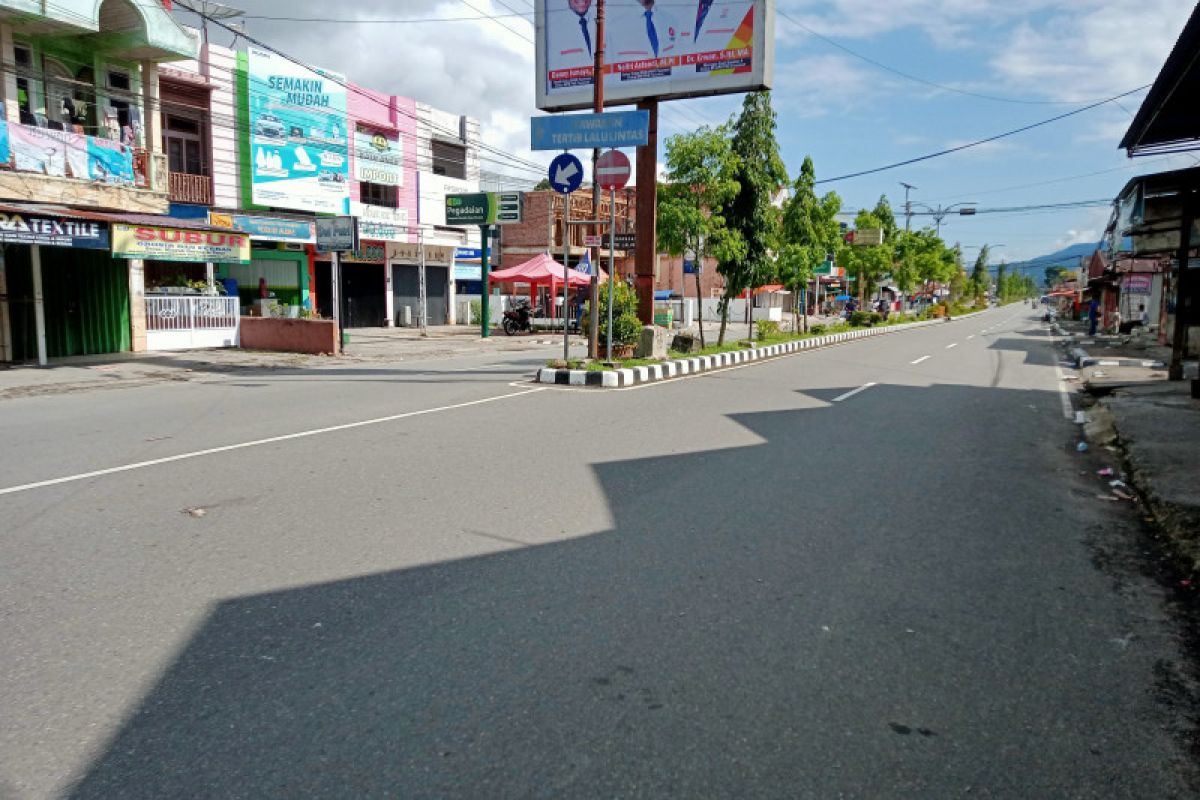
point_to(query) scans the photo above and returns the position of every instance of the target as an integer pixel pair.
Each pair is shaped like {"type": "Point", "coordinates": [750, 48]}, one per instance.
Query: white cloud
{"type": "Point", "coordinates": [1091, 49]}
{"type": "Point", "coordinates": [813, 86]}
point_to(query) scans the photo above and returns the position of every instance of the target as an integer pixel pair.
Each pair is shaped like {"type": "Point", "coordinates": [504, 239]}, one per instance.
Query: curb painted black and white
{"type": "Point", "coordinates": [632, 376]}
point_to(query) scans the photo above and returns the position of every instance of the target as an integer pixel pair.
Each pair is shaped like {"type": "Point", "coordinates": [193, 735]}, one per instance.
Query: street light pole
{"type": "Point", "coordinates": [908, 187]}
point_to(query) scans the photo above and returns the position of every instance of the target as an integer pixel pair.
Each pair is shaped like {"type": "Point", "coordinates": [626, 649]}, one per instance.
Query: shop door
{"type": "Point", "coordinates": [87, 302]}
{"type": "Point", "coordinates": [406, 291]}
{"type": "Point", "coordinates": [362, 296]}
{"type": "Point", "coordinates": [324, 272]}
{"type": "Point", "coordinates": [85, 294]}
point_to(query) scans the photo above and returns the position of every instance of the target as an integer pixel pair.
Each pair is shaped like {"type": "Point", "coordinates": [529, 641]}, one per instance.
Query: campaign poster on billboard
{"type": "Point", "coordinates": [299, 145]}
{"type": "Point", "coordinates": [653, 48]}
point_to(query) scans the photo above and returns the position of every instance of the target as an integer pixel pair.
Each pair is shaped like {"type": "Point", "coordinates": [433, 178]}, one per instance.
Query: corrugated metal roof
{"type": "Point", "coordinates": [126, 218]}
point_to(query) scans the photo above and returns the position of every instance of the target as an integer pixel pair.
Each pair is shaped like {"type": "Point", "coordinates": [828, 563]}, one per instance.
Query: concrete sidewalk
{"type": "Point", "coordinates": [1153, 423]}
{"type": "Point", "coordinates": [366, 345]}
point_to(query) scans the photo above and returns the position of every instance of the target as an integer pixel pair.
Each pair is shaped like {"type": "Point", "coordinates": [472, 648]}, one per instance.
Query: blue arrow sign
{"type": "Point", "coordinates": [566, 173]}
{"type": "Point", "coordinates": [587, 131]}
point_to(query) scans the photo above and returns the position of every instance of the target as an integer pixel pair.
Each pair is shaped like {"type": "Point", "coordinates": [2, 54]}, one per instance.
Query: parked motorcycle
{"type": "Point", "coordinates": [518, 319]}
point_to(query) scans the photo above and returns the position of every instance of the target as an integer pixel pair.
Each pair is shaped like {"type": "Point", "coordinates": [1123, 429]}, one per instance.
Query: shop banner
{"type": "Point", "coordinates": [61, 154]}
{"type": "Point", "coordinates": [109, 161]}
{"type": "Point", "coordinates": [468, 264]}
{"type": "Point", "coordinates": [267, 229]}
{"type": "Point", "coordinates": [1137, 283]}
{"type": "Point", "coordinates": [377, 158]}
{"type": "Point", "coordinates": [381, 224]}
{"type": "Point", "coordinates": [5, 150]}
{"type": "Point", "coordinates": [53, 231]}
{"type": "Point", "coordinates": [436, 255]}
{"type": "Point", "coordinates": [175, 244]}
{"type": "Point", "coordinates": [298, 139]}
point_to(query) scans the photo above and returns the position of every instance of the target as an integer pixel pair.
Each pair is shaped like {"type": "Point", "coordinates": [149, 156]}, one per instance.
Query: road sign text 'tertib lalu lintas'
{"type": "Point", "coordinates": [484, 208]}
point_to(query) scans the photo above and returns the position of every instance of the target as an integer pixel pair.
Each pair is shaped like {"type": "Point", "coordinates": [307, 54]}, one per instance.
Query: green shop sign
{"type": "Point", "coordinates": [484, 208]}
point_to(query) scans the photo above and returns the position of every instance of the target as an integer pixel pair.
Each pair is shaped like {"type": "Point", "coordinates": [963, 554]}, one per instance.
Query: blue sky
{"type": "Point", "coordinates": [846, 113]}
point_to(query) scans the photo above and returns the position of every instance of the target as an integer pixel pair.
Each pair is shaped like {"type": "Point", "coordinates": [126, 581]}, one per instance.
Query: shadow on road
{"type": "Point", "coordinates": [817, 615]}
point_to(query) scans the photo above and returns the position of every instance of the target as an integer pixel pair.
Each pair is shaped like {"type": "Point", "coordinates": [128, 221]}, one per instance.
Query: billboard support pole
{"type": "Point", "coordinates": [598, 107]}
{"type": "Point", "coordinates": [484, 311]}
{"type": "Point", "coordinates": [647, 200]}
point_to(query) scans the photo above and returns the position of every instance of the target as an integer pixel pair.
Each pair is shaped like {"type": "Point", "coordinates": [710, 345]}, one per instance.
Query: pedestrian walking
{"type": "Point", "coordinates": [1093, 316]}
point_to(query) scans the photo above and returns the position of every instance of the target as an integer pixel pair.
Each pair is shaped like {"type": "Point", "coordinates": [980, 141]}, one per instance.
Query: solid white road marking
{"type": "Point", "coordinates": [952, 344]}
{"type": "Point", "coordinates": [256, 442]}
{"type": "Point", "coordinates": [919, 360]}
{"type": "Point", "coordinates": [853, 392]}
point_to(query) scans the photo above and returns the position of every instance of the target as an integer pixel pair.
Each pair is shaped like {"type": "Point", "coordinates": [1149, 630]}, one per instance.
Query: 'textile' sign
{"type": "Point", "coordinates": [587, 131]}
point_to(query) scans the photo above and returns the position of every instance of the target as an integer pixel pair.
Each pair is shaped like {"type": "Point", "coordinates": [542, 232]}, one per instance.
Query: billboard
{"type": "Point", "coordinates": [653, 48]}
{"type": "Point", "coordinates": [299, 153]}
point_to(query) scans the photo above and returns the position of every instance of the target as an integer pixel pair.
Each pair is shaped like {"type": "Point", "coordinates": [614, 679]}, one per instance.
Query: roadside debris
{"type": "Point", "coordinates": [1081, 447]}
{"type": "Point", "coordinates": [1106, 472]}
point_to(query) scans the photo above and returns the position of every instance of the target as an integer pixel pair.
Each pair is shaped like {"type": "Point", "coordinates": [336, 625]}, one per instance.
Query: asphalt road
{"type": "Point", "coordinates": [873, 570]}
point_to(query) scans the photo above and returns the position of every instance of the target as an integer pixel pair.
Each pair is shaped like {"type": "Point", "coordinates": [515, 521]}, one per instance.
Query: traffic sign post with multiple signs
{"type": "Point", "coordinates": [566, 175]}
{"type": "Point", "coordinates": [485, 209]}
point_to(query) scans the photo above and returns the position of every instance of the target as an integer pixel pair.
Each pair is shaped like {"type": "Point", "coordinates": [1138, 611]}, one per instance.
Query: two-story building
{"type": "Point", "coordinates": [82, 171]}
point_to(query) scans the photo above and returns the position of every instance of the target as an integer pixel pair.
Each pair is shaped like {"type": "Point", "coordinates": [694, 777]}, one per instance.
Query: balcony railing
{"type": "Point", "coordinates": [187, 188]}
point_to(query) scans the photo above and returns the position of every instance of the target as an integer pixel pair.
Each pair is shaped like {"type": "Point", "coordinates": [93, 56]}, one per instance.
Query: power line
{"type": "Point", "coordinates": [969, 145]}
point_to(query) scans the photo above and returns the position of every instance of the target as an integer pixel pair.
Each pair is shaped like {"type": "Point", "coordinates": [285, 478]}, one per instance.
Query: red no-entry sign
{"type": "Point", "coordinates": [612, 170]}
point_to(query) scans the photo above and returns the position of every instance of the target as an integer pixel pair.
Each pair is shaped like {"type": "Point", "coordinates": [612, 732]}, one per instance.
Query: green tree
{"type": "Point", "coordinates": [980, 277]}
{"type": "Point", "coordinates": [809, 232]}
{"type": "Point", "coordinates": [1054, 274]}
{"type": "Point", "coordinates": [958, 275]}
{"type": "Point", "coordinates": [542, 185]}
{"type": "Point", "coordinates": [887, 219]}
{"type": "Point", "coordinates": [700, 169]}
{"type": "Point", "coordinates": [760, 173]}
{"type": "Point", "coordinates": [1002, 284]}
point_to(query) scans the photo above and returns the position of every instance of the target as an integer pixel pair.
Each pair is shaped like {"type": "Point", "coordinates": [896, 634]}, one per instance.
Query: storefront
{"type": "Point", "coordinates": [172, 316]}
{"type": "Point", "coordinates": [280, 263]}
{"type": "Point", "coordinates": [363, 287]}
{"type": "Point", "coordinates": [404, 262]}
{"type": "Point", "coordinates": [61, 293]}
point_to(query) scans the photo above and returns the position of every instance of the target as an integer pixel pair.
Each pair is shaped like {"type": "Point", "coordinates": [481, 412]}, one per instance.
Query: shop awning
{"type": "Point", "coordinates": [1167, 121]}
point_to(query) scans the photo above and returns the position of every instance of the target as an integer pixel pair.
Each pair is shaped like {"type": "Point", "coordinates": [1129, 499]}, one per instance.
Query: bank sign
{"type": "Point", "coordinates": [176, 244]}
{"type": "Point", "coordinates": [53, 231]}
{"type": "Point", "coordinates": [484, 208]}
{"type": "Point", "coordinates": [299, 146]}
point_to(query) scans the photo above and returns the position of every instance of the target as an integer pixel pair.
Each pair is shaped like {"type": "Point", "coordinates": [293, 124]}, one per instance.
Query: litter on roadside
{"type": "Point", "coordinates": [1106, 472]}
{"type": "Point", "coordinates": [1080, 418]}
{"type": "Point", "coordinates": [1106, 497]}
{"type": "Point", "coordinates": [1081, 447]}
{"type": "Point", "coordinates": [1117, 484]}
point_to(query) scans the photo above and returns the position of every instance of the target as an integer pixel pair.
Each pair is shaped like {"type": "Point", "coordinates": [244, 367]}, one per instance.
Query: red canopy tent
{"type": "Point", "coordinates": [542, 270]}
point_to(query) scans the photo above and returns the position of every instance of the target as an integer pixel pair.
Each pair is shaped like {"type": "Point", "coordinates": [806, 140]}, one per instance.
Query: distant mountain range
{"type": "Point", "coordinates": [1067, 257]}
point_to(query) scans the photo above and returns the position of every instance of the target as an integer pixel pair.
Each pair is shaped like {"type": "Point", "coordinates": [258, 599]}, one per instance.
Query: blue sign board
{"type": "Point", "coordinates": [468, 264]}
{"type": "Point", "coordinates": [588, 131]}
{"type": "Point", "coordinates": [566, 173]}
{"type": "Point", "coordinates": [275, 229]}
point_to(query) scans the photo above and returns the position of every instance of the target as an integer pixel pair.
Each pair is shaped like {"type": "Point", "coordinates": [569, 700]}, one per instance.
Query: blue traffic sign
{"type": "Point", "coordinates": [589, 131]}
{"type": "Point", "coordinates": [566, 173]}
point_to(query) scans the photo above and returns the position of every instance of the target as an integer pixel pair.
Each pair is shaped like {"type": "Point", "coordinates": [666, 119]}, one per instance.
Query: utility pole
{"type": "Point", "coordinates": [598, 107]}
{"type": "Point", "coordinates": [908, 187]}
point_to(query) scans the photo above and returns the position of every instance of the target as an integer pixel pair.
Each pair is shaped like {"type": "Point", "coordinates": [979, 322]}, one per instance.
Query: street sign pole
{"type": "Point", "coordinates": [421, 282]}
{"type": "Point", "coordinates": [566, 230]}
{"type": "Point", "coordinates": [612, 235]}
{"type": "Point", "coordinates": [335, 273]}
{"type": "Point", "coordinates": [647, 200]}
{"type": "Point", "coordinates": [485, 232]}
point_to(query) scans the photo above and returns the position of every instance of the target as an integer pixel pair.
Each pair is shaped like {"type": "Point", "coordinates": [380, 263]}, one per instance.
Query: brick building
{"type": "Point", "coordinates": [542, 231]}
